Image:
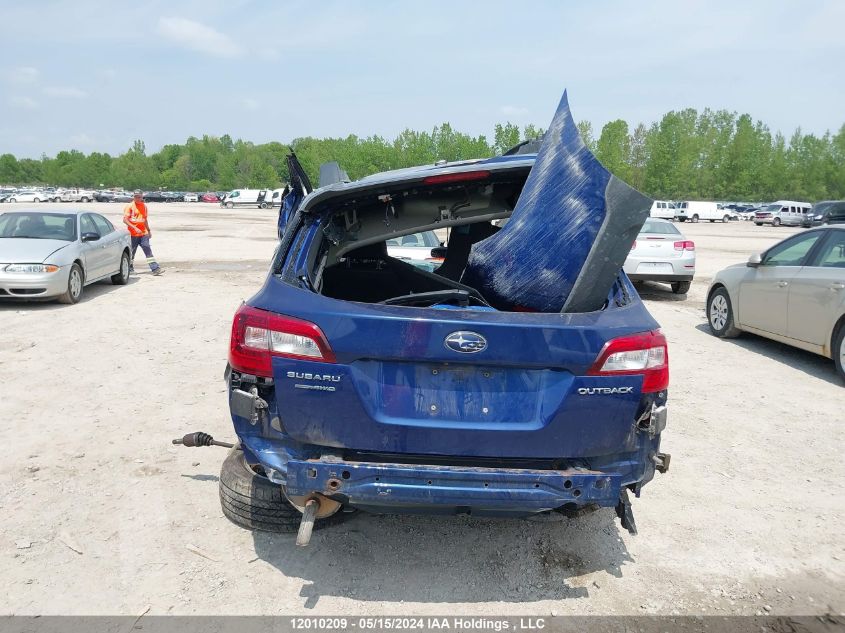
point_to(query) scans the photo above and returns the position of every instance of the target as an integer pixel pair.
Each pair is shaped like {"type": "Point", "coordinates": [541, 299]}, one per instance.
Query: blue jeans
{"type": "Point", "coordinates": [144, 242]}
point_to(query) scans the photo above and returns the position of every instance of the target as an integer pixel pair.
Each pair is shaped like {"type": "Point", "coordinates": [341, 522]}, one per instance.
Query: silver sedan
{"type": "Point", "coordinates": [55, 254]}
{"type": "Point", "coordinates": [662, 253]}
{"type": "Point", "coordinates": [793, 293]}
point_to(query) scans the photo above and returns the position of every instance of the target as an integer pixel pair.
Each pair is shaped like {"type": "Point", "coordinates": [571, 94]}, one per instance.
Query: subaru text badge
{"type": "Point", "coordinates": [466, 342]}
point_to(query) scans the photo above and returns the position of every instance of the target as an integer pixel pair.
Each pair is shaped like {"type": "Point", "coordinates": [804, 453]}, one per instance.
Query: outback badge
{"type": "Point", "coordinates": [466, 342]}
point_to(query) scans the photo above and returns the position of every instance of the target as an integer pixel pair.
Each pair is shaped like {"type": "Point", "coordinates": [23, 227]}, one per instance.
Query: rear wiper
{"type": "Point", "coordinates": [461, 298]}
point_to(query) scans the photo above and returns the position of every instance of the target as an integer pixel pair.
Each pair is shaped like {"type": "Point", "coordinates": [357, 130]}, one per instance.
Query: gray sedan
{"type": "Point", "coordinates": [52, 254]}
{"type": "Point", "coordinates": [793, 293]}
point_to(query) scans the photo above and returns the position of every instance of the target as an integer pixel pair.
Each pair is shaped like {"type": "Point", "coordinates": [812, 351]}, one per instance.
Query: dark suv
{"type": "Point", "coordinates": [522, 376]}
{"type": "Point", "coordinates": [827, 212]}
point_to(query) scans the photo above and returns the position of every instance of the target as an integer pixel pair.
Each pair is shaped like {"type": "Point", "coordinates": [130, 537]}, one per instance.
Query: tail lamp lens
{"type": "Point", "coordinates": [685, 245]}
{"type": "Point", "coordinates": [644, 353]}
{"type": "Point", "coordinates": [258, 335]}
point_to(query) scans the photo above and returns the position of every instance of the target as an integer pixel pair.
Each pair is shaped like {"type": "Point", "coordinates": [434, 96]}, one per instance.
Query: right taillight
{"type": "Point", "coordinates": [258, 335]}
{"type": "Point", "coordinates": [685, 245]}
{"type": "Point", "coordinates": [644, 353]}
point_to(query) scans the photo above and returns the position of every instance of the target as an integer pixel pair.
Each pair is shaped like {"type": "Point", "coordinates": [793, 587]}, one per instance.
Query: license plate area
{"type": "Point", "coordinates": [654, 267]}
{"type": "Point", "coordinates": [458, 395]}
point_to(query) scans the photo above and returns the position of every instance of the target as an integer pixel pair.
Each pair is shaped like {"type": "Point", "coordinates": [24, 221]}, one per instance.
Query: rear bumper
{"type": "Point", "coordinates": [653, 277]}
{"type": "Point", "coordinates": [396, 488]}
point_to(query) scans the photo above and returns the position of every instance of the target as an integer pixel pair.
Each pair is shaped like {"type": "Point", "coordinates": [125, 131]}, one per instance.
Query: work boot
{"type": "Point", "coordinates": [158, 271]}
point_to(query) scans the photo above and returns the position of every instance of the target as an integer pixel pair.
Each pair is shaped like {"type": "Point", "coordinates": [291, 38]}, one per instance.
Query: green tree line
{"type": "Point", "coordinates": [716, 155]}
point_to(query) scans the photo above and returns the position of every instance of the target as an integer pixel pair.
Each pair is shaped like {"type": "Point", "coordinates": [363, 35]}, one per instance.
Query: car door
{"type": "Point", "coordinates": [110, 243]}
{"type": "Point", "coordinates": [94, 251]}
{"type": "Point", "coordinates": [817, 292]}
{"type": "Point", "coordinates": [764, 294]}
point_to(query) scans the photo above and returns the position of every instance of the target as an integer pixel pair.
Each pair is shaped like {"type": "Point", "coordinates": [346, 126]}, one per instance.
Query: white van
{"type": "Point", "coordinates": [663, 209]}
{"type": "Point", "coordinates": [259, 198]}
{"type": "Point", "coordinates": [695, 210]}
{"type": "Point", "coordinates": [783, 213]}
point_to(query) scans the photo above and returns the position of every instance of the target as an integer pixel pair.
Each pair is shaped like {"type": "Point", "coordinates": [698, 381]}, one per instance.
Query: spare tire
{"type": "Point", "coordinates": [252, 501]}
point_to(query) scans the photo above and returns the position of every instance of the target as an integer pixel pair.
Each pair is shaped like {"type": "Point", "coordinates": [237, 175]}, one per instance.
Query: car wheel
{"type": "Point", "coordinates": [776, 222]}
{"type": "Point", "coordinates": [694, 219]}
{"type": "Point", "coordinates": [252, 501]}
{"type": "Point", "coordinates": [230, 205]}
{"type": "Point", "coordinates": [121, 278]}
{"type": "Point", "coordinates": [74, 286]}
{"type": "Point", "coordinates": [839, 351]}
{"type": "Point", "coordinates": [726, 219]}
{"type": "Point", "coordinates": [12, 200]}
{"type": "Point", "coordinates": [681, 287]}
{"type": "Point", "coordinates": [758, 224]}
{"type": "Point", "coordinates": [682, 219]}
{"type": "Point", "coordinates": [36, 199]}
{"type": "Point", "coordinates": [720, 314]}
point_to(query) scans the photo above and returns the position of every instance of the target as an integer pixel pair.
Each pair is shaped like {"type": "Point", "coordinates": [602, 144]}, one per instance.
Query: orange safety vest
{"type": "Point", "coordinates": [136, 216]}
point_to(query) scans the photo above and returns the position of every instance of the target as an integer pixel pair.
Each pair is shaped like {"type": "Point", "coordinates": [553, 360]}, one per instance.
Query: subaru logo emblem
{"type": "Point", "coordinates": [466, 342]}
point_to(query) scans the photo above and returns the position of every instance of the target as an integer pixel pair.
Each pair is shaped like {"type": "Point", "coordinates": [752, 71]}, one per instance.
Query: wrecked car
{"type": "Point", "coordinates": [523, 376]}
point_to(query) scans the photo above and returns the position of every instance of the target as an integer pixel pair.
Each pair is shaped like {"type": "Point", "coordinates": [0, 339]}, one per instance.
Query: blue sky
{"type": "Point", "coordinates": [95, 75]}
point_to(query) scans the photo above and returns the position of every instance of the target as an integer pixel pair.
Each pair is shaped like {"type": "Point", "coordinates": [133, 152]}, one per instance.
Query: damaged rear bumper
{"type": "Point", "coordinates": [397, 488]}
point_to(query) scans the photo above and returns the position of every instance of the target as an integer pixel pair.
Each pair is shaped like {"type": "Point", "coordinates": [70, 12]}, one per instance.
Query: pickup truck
{"type": "Point", "coordinates": [77, 195]}
{"type": "Point", "coordinates": [522, 377]}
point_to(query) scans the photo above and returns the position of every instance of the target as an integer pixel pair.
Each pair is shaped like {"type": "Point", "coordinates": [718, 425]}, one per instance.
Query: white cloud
{"type": "Point", "coordinates": [198, 37]}
{"type": "Point", "coordinates": [65, 91]}
{"type": "Point", "coordinates": [23, 75]}
{"type": "Point", "coordinates": [514, 111]}
{"type": "Point", "coordinates": [81, 140]}
{"type": "Point", "coordinates": [251, 104]}
{"type": "Point", "coordinates": [23, 102]}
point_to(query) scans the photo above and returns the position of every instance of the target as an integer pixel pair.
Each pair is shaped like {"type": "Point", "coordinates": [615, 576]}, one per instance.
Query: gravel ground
{"type": "Point", "coordinates": [101, 515]}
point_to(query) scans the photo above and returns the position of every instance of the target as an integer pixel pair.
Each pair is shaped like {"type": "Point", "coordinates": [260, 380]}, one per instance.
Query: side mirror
{"type": "Point", "coordinates": [438, 252]}
{"type": "Point", "coordinates": [754, 261]}
{"type": "Point", "coordinates": [90, 237]}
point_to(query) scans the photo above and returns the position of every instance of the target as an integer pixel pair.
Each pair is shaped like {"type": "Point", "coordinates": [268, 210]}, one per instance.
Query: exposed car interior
{"type": "Point", "coordinates": [353, 263]}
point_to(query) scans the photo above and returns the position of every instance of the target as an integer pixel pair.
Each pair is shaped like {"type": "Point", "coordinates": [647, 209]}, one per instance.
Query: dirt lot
{"type": "Point", "coordinates": [99, 509]}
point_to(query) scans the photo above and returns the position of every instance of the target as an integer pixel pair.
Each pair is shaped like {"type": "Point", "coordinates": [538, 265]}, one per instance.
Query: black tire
{"type": "Point", "coordinates": [682, 219]}
{"type": "Point", "coordinates": [85, 199]}
{"type": "Point", "coordinates": [230, 205]}
{"type": "Point", "coordinates": [838, 350]}
{"type": "Point", "coordinates": [681, 287]}
{"type": "Point", "coordinates": [121, 278]}
{"type": "Point", "coordinates": [254, 502]}
{"type": "Point", "coordinates": [726, 219]}
{"type": "Point", "coordinates": [694, 219]}
{"type": "Point", "coordinates": [722, 323]}
{"type": "Point", "coordinates": [758, 224]}
{"type": "Point", "coordinates": [36, 199]}
{"type": "Point", "coordinates": [75, 284]}
{"type": "Point", "coordinates": [776, 222]}
{"type": "Point", "coordinates": [12, 200]}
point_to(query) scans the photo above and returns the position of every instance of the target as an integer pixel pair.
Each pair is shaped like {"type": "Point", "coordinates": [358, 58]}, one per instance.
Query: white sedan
{"type": "Point", "coordinates": [793, 293]}
{"type": "Point", "coordinates": [29, 196]}
{"type": "Point", "coordinates": [662, 253]}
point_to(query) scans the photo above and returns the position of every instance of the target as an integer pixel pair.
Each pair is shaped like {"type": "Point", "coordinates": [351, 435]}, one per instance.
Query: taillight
{"type": "Point", "coordinates": [685, 245]}
{"type": "Point", "coordinates": [644, 354]}
{"type": "Point", "coordinates": [258, 335]}
{"type": "Point", "coordinates": [461, 176]}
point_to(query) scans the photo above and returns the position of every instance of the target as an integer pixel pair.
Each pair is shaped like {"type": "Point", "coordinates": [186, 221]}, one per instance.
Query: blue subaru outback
{"type": "Point", "coordinates": [523, 375]}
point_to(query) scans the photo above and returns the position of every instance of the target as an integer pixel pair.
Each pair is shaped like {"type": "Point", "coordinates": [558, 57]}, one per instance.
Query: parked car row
{"type": "Point", "coordinates": [52, 194]}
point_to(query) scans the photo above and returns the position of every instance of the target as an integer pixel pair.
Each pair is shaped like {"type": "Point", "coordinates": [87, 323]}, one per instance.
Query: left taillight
{"type": "Point", "coordinates": [644, 353]}
{"type": "Point", "coordinates": [258, 335]}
